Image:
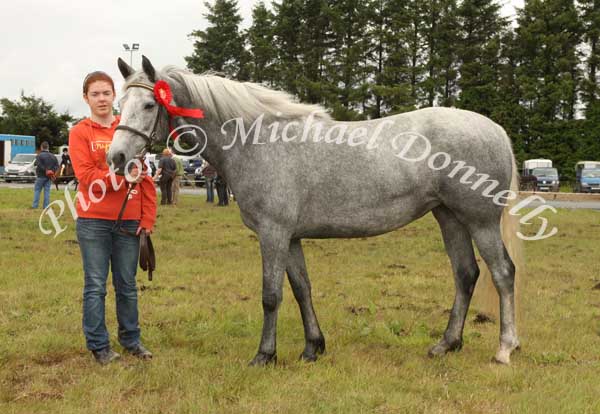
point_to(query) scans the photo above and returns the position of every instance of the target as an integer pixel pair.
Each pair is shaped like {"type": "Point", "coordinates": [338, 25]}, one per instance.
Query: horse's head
{"type": "Point", "coordinates": [144, 121]}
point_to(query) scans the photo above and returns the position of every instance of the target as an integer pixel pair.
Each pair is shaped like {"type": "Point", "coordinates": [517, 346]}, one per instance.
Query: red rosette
{"type": "Point", "coordinates": [164, 96]}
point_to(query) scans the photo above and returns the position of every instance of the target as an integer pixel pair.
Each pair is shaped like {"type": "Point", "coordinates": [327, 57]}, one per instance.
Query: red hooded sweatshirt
{"type": "Point", "coordinates": [99, 195]}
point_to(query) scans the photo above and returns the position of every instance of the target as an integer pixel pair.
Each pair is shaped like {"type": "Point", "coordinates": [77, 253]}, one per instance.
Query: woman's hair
{"type": "Point", "coordinates": [96, 76]}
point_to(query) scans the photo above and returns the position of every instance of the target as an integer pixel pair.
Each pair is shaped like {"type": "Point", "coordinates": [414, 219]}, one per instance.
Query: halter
{"type": "Point", "coordinates": [163, 97]}
{"type": "Point", "coordinates": [148, 138]}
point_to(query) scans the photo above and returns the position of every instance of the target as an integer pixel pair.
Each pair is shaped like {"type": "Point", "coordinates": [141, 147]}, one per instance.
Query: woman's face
{"type": "Point", "coordinates": [100, 97]}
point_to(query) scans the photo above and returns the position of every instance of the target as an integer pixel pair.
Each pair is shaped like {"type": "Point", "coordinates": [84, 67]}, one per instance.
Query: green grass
{"type": "Point", "coordinates": [382, 302]}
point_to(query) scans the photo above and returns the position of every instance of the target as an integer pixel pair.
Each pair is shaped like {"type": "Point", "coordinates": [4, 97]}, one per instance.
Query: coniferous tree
{"type": "Point", "coordinates": [316, 41]}
{"type": "Point", "coordinates": [508, 111]}
{"type": "Point", "coordinates": [481, 30]}
{"type": "Point", "coordinates": [591, 83]}
{"type": "Point", "coordinates": [436, 30]}
{"type": "Point", "coordinates": [416, 44]}
{"type": "Point", "coordinates": [431, 30]}
{"type": "Point", "coordinates": [448, 41]}
{"type": "Point", "coordinates": [372, 58]}
{"type": "Point", "coordinates": [221, 46]}
{"type": "Point", "coordinates": [287, 27]}
{"type": "Point", "coordinates": [348, 61]}
{"type": "Point", "coordinates": [389, 58]}
{"type": "Point", "coordinates": [548, 34]}
{"type": "Point", "coordinates": [260, 45]}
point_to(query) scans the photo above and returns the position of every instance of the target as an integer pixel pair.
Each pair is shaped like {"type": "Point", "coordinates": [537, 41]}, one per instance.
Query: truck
{"type": "Point", "coordinates": [540, 175]}
{"type": "Point", "coordinates": [587, 177]}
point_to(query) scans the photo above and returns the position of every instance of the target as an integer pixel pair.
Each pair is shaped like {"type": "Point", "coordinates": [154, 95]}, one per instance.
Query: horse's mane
{"type": "Point", "coordinates": [224, 99]}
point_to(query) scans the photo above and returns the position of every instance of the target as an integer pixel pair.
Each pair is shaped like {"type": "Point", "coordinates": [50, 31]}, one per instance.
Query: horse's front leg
{"type": "Point", "coordinates": [274, 247]}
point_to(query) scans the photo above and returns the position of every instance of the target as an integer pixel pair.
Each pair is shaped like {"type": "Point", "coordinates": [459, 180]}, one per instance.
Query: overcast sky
{"type": "Point", "coordinates": [48, 46]}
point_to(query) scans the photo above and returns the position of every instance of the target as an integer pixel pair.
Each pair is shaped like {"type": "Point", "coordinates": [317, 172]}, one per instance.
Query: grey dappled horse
{"type": "Point", "coordinates": [312, 188]}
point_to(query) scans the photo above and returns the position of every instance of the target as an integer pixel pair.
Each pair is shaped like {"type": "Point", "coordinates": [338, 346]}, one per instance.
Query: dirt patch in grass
{"type": "Point", "coordinates": [54, 358]}
{"type": "Point", "coordinates": [482, 318]}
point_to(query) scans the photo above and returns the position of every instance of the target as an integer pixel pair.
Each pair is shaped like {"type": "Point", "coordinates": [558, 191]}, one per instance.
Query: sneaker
{"type": "Point", "coordinates": [105, 356]}
{"type": "Point", "coordinates": [140, 351]}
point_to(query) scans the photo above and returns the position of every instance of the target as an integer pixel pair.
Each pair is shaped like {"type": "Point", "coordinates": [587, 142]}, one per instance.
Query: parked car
{"type": "Point", "coordinates": [189, 168]}
{"type": "Point", "coordinates": [587, 177]}
{"type": "Point", "coordinates": [193, 164]}
{"type": "Point", "coordinates": [20, 168]}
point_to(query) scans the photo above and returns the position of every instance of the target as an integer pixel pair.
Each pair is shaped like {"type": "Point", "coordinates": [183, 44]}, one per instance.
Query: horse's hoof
{"type": "Point", "coordinates": [437, 351]}
{"type": "Point", "coordinates": [442, 347]}
{"type": "Point", "coordinates": [308, 357]}
{"type": "Point", "coordinates": [505, 350]}
{"type": "Point", "coordinates": [261, 360]}
{"type": "Point", "coordinates": [500, 361]}
{"type": "Point", "coordinates": [313, 349]}
{"type": "Point", "coordinates": [502, 357]}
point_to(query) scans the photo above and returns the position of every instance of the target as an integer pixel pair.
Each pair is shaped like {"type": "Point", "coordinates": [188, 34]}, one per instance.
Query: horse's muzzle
{"type": "Point", "coordinates": [117, 161]}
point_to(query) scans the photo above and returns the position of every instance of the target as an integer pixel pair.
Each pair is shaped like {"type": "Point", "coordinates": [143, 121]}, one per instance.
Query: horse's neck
{"type": "Point", "coordinates": [216, 156]}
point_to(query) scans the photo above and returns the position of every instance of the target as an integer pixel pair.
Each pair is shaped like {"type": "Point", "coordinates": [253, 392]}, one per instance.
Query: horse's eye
{"type": "Point", "coordinates": [149, 106]}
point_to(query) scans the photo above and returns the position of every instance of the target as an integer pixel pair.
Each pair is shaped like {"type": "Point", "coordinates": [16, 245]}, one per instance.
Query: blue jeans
{"type": "Point", "coordinates": [45, 183]}
{"type": "Point", "coordinates": [210, 186]}
{"type": "Point", "coordinates": [99, 246]}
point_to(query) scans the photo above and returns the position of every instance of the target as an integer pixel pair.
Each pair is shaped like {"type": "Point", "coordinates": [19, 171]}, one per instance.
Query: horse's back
{"type": "Point", "coordinates": [329, 190]}
{"type": "Point", "coordinates": [479, 156]}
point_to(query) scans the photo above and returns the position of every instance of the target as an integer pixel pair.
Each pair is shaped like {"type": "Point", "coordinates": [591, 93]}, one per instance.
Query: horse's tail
{"type": "Point", "coordinates": [488, 297]}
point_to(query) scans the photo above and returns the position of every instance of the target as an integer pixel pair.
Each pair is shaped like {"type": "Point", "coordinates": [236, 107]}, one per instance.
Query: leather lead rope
{"type": "Point", "coordinates": [147, 258]}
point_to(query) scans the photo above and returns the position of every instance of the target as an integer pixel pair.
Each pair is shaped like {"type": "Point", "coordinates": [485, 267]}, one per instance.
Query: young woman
{"type": "Point", "coordinates": [99, 199]}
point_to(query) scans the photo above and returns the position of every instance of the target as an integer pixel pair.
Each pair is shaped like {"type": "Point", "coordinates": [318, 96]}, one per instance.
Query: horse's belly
{"type": "Point", "coordinates": [361, 222]}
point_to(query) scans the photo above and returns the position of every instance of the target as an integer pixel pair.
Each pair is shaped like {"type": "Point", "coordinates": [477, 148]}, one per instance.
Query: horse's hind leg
{"type": "Point", "coordinates": [491, 247]}
{"type": "Point", "coordinates": [298, 277]}
{"type": "Point", "coordinates": [464, 266]}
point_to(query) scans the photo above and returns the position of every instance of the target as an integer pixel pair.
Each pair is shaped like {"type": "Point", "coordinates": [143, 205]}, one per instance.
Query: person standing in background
{"type": "Point", "coordinates": [165, 174]}
{"type": "Point", "coordinates": [65, 163]}
{"type": "Point", "coordinates": [209, 173]}
{"type": "Point", "coordinates": [177, 179]}
{"type": "Point", "coordinates": [222, 191]}
{"type": "Point", "coordinates": [46, 166]}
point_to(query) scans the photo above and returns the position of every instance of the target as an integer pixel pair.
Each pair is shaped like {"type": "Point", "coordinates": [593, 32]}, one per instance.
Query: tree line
{"type": "Point", "coordinates": [32, 115]}
{"type": "Point", "coordinates": [363, 59]}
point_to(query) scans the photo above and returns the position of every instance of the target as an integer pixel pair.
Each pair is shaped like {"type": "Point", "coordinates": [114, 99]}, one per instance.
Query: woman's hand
{"type": "Point", "coordinates": [135, 176]}
{"type": "Point", "coordinates": [140, 229]}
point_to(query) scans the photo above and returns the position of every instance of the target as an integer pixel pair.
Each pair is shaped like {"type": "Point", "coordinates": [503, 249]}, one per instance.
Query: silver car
{"type": "Point", "coordinates": [20, 168]}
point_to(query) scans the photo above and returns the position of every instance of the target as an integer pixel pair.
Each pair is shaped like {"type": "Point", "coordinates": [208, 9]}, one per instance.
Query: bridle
{"type": "Point", "coordinates": [162, 94]}
{"type": "Point", "coordinates": [149, 139]}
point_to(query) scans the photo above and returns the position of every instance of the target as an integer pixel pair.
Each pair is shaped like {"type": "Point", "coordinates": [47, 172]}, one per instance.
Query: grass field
{"type": "Point", "coordinates": [381, 302]}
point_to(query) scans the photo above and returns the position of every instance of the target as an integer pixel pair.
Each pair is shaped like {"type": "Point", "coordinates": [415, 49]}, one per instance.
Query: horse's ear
{"type": "Point", "coordinates": [125, 69]}
{"type": "Point", "coordinates": [148, 69]}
